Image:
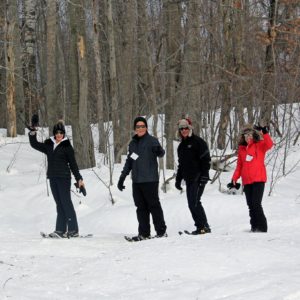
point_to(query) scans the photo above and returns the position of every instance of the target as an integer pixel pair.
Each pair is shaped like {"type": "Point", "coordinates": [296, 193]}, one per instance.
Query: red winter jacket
{"type": "Point", "coordinates": [251, 161]}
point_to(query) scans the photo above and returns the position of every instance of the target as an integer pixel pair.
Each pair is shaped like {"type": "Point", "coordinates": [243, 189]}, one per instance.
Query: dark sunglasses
{"type": "Point", "coordinates": [183, 128]}
{"type": "Point", "coordinates": [59, 132]}
{"type": "Point", "coordinates": [140, 126]}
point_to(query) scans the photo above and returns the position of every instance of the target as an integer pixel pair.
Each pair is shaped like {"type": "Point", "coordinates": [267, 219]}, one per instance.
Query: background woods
{"type": "Point", "coordinates": [224, 63]}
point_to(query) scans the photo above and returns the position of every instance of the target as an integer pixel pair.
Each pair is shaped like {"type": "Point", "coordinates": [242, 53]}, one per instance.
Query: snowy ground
{"type": "Point", "coordinates": [230, 263]}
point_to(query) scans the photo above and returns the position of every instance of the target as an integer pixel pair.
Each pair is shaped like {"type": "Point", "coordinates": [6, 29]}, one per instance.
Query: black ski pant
{"type": "Point", "coordinates": [147, 202]}
{"type": "Point", "coordinates": [254, 194]}
{"type": "Point", "coordinates": [194, 192]}
{"type": "Point", "coordinates": [66, 217]}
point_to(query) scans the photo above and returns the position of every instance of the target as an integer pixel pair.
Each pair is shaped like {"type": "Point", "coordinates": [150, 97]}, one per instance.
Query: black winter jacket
{"type": "Point", "coordinates": [193, 159]}
{"type": "Point", "coordinates": [144, 167]}
{"type": "Point", "coordinates": [60, 160]}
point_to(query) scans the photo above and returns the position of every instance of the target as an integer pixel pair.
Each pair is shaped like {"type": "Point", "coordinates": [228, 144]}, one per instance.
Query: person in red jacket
{"type": "Point", "coordinates": [253, 144]}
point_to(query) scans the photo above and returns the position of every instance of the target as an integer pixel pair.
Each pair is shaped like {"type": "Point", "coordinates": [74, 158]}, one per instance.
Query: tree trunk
{"type": "Point", "coordinates": [113, 82]}
{"type": "Point", "coordinates": [29, 59]}
{"type": "Point", "coordinates": [82, 135]}
{"type": "Point", "coordinates": [13, 64]}
{"type": "Point", "coordinates": [172, 19]}
{"type": "Point", "coordinates": [191, 94]}
{"type": "Point", "coordinates": [147, 72]}
{"type": "Point", "coordinates": [126, 50]}
{"type": "Point", "coordinates": [226, 76]}
{"type": "Point", "coordinates": [41, 60]}
{"type": "Point", "coordinates": [268, 91]}
{"type": "Point", "coordinates": [98, 68]}
{"type": "Point", "coordinates": [2, 67]}
{"type": "Point", "coordinates": [53, 105]}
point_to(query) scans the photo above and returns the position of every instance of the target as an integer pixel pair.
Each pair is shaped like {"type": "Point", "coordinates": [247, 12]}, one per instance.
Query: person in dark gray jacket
{"type": "Point", "coordinates": [141, 161]}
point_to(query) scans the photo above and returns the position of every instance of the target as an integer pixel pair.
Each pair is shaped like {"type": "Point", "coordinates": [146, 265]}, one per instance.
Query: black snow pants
{"type": "Point", "coordinates": [147, 202]}
{"type": "Point", "coordinates": [66, 220]}
{"type": "Point", "coordinates": [194, 192]}
{"type": "Point", "coordinates": [254, 194]}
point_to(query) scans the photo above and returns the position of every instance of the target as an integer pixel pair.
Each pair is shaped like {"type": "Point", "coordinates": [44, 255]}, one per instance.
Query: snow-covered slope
{"type": "Point", "coordinates": [230, 263]}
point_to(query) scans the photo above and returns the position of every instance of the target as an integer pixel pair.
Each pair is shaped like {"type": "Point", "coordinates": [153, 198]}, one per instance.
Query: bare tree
{"type": "Point", "coordinates": [29, 58]}
{"type": "Point", "coordinates": [268, 92]}
{"type": "Point", "coordinates": [127, 68]}
{"type": "Point", "coordinates": [2, 67]}
{"type": "Point", "coordinates": [148, 89]}
{"type": "Point", "coordinates": [114, 95]}
{"type": "Point", "coordinates": [82, 135]}
{"type": "Point", "coordinates": [11, 28]}
{"type": "Point", "coordinates": [99, 81]}
{"type": "Point", "coordinates": [172, 22]}
{"type": "Point", "coordinates": [54, 106]}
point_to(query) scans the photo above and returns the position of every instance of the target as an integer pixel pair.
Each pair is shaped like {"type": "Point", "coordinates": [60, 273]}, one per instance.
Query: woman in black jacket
{"type": "Point", "coordinates": [61, 159]}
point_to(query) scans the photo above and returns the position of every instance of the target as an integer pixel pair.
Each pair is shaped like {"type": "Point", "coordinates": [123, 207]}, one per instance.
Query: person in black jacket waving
{"type": "Point", "coordinates": [141, 161]}
{"type": "Point", "coordinates": [61, 159]}
{"type": "Point", "coordinates": [193, 167]}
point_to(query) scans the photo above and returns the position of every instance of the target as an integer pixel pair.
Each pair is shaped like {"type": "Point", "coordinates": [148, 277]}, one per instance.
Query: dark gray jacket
{"type": "Point", "coordinates": [142, 159]}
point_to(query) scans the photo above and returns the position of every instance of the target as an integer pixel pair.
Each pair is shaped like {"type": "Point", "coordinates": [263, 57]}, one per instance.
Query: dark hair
{"type": "Point", "coordinates": [256, 136]}
{"type": "Point", "coordinates": [59, 127]}
{"type": "Point", "coordinates": [139, 119]}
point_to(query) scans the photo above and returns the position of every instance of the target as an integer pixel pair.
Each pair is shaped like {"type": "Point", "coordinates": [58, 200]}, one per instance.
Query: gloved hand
{"type": "Point", "coordinates": [233, 184]}
{"type": "Point", "coordinates": [158, 150]}
{"type": "Point", "coordinates": [264, 129]}
{"type": "Point", "coordinates": [178, 185]}
{"type": "Point", "coordinates": [203, 180]}
{"type": "Point", "coordinates": [34, 123]}
{"type": "Point", "coordinates": [81, 188]}
{"type": "Point", "coordinates": [121, 185]}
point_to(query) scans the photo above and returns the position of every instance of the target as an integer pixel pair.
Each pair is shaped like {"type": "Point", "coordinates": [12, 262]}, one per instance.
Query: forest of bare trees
{"type": "Point", "coordinates": [223, 63]}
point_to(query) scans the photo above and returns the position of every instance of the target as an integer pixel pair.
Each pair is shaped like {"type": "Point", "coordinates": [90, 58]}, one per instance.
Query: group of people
{"type": "Point", "coordinates": [143, 151]}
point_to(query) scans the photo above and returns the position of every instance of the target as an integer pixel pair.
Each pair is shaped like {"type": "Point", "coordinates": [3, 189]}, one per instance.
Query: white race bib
{"type": "Point", "coordinates": [134, 156]}
{"type": "Point", "coordinates": [249, 157]}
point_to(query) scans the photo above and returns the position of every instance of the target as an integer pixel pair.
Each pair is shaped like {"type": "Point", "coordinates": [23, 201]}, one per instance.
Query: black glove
{"type": "Point", "coordinates": [121, 185]}
{"type": "Point", "coordinates": [34, 123]}
{"type": "Point", "coordinates": [158, 150]}
{"type": "Point", "coordinates": [264, 129]}
{"type": "Point", "coordinates": [178, 185]}
{"type": "Point", "coordinates": [203, 180]}
{"type": "Point", "coordinates": [81, 189]}
{"type": "Point", "coordinates": [232, 185]}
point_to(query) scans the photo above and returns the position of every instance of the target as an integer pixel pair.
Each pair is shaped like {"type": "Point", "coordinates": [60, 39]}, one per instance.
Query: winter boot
{"type": "Point", "coordinates": [56, 234]}
{"type": "Point", "coordinates": [71, 234]}
{"type": "Point", "coordinates": [161, 235]}
{"type": "Point", "coordinates": [203, 230]}
{"type": "Point", "coordinates": [140, 238]}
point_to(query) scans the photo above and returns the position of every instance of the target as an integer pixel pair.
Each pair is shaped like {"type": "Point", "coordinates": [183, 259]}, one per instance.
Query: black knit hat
{"type": "Point", "coordinates": [139, 119]}
{"type": "Point", "coordinates": [59, 127]}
